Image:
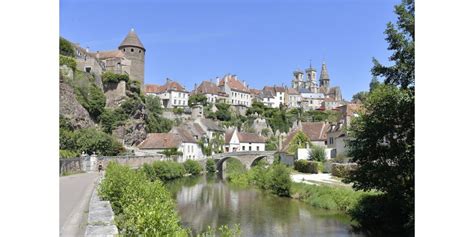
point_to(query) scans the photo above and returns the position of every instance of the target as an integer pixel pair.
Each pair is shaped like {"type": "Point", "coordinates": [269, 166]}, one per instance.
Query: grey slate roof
{"type": "Point", "coordinates": [132, 40]}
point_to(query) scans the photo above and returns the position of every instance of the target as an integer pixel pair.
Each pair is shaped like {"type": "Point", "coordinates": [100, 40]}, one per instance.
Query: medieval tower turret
{"type": "Point", "coordinates": [324, 77]}
{"type": "Point", "coordinates": [134, 50]}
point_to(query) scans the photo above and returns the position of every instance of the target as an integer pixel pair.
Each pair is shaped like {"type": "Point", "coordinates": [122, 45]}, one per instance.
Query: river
{"type": "Point", "coordinates": [203, 201]}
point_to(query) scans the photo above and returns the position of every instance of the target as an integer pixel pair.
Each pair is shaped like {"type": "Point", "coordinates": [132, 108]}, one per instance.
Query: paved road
{"type": "Point", "coordinates": [74, 195]}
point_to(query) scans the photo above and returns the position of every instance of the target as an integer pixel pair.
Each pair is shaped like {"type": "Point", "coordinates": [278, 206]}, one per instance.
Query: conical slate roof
{"type": "Point", "coordinates": [132, 40]}
{"type": "Point", "coordinates": [324, 73]}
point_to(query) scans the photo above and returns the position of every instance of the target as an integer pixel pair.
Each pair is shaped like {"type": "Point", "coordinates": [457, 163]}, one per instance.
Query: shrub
{"type": "Point", "coordinates": [279, 181]}
{"type": "Point", "coordinates": [66, 48]}
{"type": "Point", "coordinates": [342, 170]}
{"type": "Point", "coordinates": [131, 105]}
{"type": "Point", "coordinates": [110, 77]}
{"type": "Point", "coordinates": [132, 85]}
{"type": "Point", "coordinates": [168, 170]}
{"type": "Point", "coordinates": [112, 118]}
{"type": "Point", "coordinates": [305, 166]}
{"type": "Point", "coordinates": [317, 153]}
{"type": "Point", "coordinates": [192, 167]}
{"type": "Point", "coordinates": [178, 110]}
{"type": "Point", "coordinates": [210, 166]}
{"type": "Point", "coordinates": [142, 207]}
{"type": "Point", "coordinates": [68, 61]}
{"type": "Point", "coordinates": [68, 154]}
{"type": "Point", "coordinates": [156, 123]}
{"type": "Point", "coordinates": [91, 140]}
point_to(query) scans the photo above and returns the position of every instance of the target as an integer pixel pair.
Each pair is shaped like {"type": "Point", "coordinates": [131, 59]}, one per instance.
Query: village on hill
{"type": "Point", "coordinates": [219, 115]}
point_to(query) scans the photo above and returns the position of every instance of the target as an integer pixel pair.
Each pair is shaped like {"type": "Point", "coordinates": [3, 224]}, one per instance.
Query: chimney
{"type": "Point", "coordinates": [217, 81]}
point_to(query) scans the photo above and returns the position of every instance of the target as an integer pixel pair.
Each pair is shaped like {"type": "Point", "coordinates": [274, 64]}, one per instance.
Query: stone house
{"type": "Point", "coordinates": [172, 94]}
{"type": "Point", "coordinates": [294, 98]}
{"type": "Point", "coordinates": [239, 93]}
{"type": "Point", "coordinates": [337, 136]}
{"type": "Point", "coordinates": [316, 132]}
{"type": "Point", "coordinates": [274, 95]}
{"type": "Point", "coordinates": [212, 92]}
{"type": "Point", "coordinates": [240, 141]}
{"type": "Point", "coordinates": [156, 143]}
{"type": "Point", "coordinates": [310, 100]}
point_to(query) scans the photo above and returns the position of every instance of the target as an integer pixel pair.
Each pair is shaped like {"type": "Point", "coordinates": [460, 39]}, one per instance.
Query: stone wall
{"type": "Point", "coordinates": [73, 165]}
{"type": "Point", "coordinates": [100, 221]}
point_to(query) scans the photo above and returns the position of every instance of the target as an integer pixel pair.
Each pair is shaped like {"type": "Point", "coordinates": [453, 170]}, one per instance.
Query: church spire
{"type": "Point", "coordinates": [324, 77]}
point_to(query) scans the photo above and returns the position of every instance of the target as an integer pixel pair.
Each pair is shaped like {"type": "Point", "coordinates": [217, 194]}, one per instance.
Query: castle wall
{"type": "Point", "coordinates": [137, 64]}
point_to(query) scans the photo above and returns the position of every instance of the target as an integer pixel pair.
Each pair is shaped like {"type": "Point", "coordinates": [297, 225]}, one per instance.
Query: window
{"type": "Point", "coordinates": [243, 148]}
{"type": "Point", "coordinates": [250, 148]}
{"type": "Point", "coordinates": [123, 50]}
{"type": "Point", "coordinates": [139, 51]}
{"type": "Point", "coordinates": [88, 69]}
{"type": "Point", "coordinates": [131, 50]}
{"type": "Point", "coordinates": [174, 101]}
{"type": "Point", "coordinates": [258, 148]}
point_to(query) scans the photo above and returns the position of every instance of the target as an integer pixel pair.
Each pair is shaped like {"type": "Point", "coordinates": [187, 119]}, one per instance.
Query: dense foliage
{"type": "Point", "coordinates": [342, 170]}
{"type": "Point", "coordinates": [142, 207]}
{"type": "Point", "coordinates": [164, 170]}
{"type": "Point", "coordinates": [66, 48]}
{"type": "Point", "coordinates": [112, 118]}
{"type": "Point", "coordinates": [210, 166]}
{"type": "Point", "coordinates": [304, 166]}
{"type": "Point", "coordinates": [299, 140]}
{"type": "Point", "coordinates": [192, 167]}
{"type": "Point", "coordinates": [89, 95]}
{"type": "Point", "coordinates": [68, 61]}
{"type": "Point", "coordinates": [384, 142]}
{"type": "Point", "coordinates": [317, 153]}
{"type": "Point", "coordinates": [86, 140]}
{"type": "Point", "coordinates": [275, 178]}
{"type": "Point", "coordinates": [197, 99]}
{"type": "Point", "coordinates": [110, 77]}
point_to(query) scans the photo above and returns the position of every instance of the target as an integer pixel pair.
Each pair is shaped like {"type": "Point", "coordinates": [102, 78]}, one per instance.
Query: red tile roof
{"type": "Point", "coordinates": [150, 88]}
{"type": "Point", "coordinates": [110, 54]}
{"type": "Point", "coordinates": [250, 137]}
{"type": "Point", "coordinates": [292, 91]}
{"type": "Point", "coordinates": [160, 141]}
{"type": "Point", "coordinates": [207, 87]}
{"type": "Point", "coordinates": [234, 83]}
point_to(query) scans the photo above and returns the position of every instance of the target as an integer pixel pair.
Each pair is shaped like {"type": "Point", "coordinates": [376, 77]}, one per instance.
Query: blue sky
{"type": "Point", "coordinates": [261, 41]}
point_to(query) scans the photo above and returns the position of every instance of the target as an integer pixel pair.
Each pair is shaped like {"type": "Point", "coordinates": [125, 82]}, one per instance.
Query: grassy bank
{"type": "Point", "coordinates": [327, 197]}
{"type": "Point", "coordinates": [144, 207]}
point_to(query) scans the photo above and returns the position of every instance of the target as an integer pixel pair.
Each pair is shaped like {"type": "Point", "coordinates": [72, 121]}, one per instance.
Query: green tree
{"type": "Point", "coordinates": [91, 140]}
{"type": "Point", "coordinates": [172, 152]}
{"type": "Point", "coordinates": [210, 166]}
{"type": "Point", "coordinates": [374, 83]}
{"type": "Point", "coordinates": [299, 140]}
{"type": "Point", "coordinates": [257, 107]}
{"type": "Point", "coordinates": [66, 48]}
{"type": "Point", "coordinates": [111, 119]}
{"type": "Point", "coordinates": [223, 113]}
{"type": "Point", "coordinates": [153, 104]}
{"type": "Point", "coordinates": [197, 99]}
{"type": "Point", "coordinates": [361, 96]}
{"type": "Point", "coordinates": [317, 153]}
{"type": "Point", "coordinates": [383, 137]}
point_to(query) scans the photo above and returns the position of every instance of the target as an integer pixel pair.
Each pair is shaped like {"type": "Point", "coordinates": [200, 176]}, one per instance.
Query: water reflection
{"type": "Point", "coordinates": [211, 202]}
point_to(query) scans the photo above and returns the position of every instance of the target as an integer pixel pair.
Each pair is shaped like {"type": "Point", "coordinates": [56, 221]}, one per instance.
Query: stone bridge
{"type": "Point", "coordinates": [248, 158]}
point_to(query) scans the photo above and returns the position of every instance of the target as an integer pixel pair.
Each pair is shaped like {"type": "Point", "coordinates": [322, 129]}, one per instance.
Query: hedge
{"type": "Point", "coordinates": [68, 61]}
{"type": "Point", "coordinates": [342, 170]}
{"type": "Point", "coordinates": [305, 166]}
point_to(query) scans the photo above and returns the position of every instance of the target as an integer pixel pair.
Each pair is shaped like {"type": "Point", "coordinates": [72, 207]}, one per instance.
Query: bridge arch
{"type": "Point", "coordinates": [257, 159]}
{"type": "Point", "coordinates": [220, 162]}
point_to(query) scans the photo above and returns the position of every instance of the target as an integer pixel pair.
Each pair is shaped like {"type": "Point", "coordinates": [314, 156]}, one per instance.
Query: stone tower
{"type": "Point", "coordinates": [311, 78]}
{"type": "Point", "coordinates": [297, 82]}
{"type": "Point", "coordinates": [134, 51]}
{"type": "Point", "coordinates": [324, 77]}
